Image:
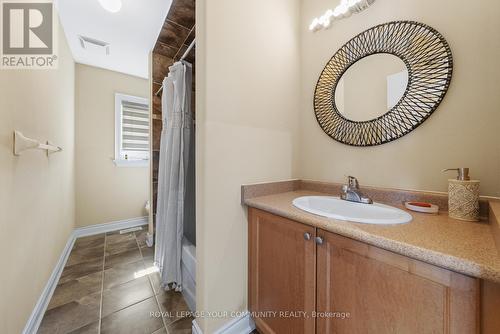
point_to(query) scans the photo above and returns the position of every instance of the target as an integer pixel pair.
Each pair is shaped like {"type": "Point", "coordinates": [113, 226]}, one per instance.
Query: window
{"type": "Point", "coordinates": [131, 130]}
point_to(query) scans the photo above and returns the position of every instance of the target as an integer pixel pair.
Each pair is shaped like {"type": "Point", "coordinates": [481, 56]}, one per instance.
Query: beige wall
{"type": "Point", "coordinates": [104, 192]}
{"type": "Point", "coordinates": [463, 131]}
{"type": "Point", "coordinates": [36, 191]}
{"type": "Point", "coordinates": [247, 89]}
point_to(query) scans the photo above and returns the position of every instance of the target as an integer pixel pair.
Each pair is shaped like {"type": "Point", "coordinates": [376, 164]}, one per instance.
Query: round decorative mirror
{"type": "Point", "coordinates": [383, 83]}
{"type": "Point", "coordinates": [380, 79]}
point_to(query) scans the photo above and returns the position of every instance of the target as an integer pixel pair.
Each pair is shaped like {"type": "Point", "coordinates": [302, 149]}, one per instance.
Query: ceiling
{"type": "Point", "coordinates": [131, 32]}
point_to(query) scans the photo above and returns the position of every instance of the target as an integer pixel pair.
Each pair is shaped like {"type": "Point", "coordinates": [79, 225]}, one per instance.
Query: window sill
{"type": "Point", "coordinates": [131, 163]}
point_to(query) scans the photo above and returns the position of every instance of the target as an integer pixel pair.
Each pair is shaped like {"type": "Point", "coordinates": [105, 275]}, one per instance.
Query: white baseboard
{"type": "Point", "coordinates": [195, 328]}
{"type": "Point", "coordinates": [37, 315]}
{"type": "Point", "coordinates": [241, 325]}
{"type": "Point", "coordinates": [189, 296]}
{"type": "Point", "coordinates": [110, 227]}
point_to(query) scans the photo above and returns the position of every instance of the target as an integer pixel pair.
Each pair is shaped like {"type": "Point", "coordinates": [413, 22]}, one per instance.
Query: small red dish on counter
{"type": "Point", "coordinates": [422, 207]}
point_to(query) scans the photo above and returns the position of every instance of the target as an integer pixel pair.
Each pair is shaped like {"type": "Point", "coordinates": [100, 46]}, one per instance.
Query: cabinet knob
{"type": "Point", "coordinates": [307, 236]}
{"type": "Point", "coordinates": [319, 240]}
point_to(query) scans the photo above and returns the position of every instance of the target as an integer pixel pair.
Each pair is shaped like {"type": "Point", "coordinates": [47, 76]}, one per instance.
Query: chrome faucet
{"type": "Point", "coordinates": [350, 192]}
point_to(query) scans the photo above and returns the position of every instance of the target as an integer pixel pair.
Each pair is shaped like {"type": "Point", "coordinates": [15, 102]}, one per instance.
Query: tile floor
{"type": "Point", "coordinates": [107, 287]}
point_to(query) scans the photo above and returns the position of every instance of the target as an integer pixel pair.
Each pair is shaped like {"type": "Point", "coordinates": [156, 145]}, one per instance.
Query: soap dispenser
{"type": "Point", "coordinates": [463, 196]}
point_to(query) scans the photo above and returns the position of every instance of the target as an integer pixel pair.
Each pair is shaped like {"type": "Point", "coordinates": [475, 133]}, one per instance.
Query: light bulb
{"type": "Point", "coordinates": [329, 13]}
{"type": "Point", "coordinates": [326, 22]}
{"type": "Point", "coordinates": [314, 25]}
{"type": "Point", "coordinates": [112, 6]}
{"type": "Point", "coordinates": [343, 8]}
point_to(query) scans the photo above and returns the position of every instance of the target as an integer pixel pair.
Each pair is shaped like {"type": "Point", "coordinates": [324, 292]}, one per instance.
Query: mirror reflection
{"type": "Point", "coordinates": [371, 87]}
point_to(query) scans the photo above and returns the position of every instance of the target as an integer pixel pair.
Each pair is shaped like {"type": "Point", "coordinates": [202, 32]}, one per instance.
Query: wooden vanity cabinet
{"type": "Point", "coordinates": [384, 292]}
{"type": "Point", "coordinates": [352, 287]}
{"type": "Point", "coordinates": [282, 273]}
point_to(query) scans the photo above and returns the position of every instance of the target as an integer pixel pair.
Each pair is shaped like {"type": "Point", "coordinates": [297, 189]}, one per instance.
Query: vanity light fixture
{"type": "Point", "coordinates": [112, 6]}
{"type": "Point", "coordinates": [344, 9]}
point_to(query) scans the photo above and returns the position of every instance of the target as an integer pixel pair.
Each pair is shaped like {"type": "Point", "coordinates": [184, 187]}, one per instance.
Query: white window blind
{"type": "Point", "coordinates": [132, 133]}
{"type": "Point", "coordinates": [135, 127]}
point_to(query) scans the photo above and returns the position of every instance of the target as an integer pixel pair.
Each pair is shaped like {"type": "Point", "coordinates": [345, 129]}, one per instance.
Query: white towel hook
{"type": "Point", "coordinates": [23, 143]}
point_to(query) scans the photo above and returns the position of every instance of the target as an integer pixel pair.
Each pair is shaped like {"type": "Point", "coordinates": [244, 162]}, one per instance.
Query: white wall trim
{"type": "Point", "coordinates": [241, 325]}
{"type": "Point", "coordinates": [109, 227]}
{"type": "Point", "coordinates": [37, 315]}
{"type": "Point", "coordinates": [131, 163]}
{"type": "Point", "coordinates": [195, 328]}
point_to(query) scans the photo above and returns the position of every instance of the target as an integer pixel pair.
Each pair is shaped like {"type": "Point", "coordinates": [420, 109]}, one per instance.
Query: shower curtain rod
{"type": "Point", "coordinates": [182, 58]}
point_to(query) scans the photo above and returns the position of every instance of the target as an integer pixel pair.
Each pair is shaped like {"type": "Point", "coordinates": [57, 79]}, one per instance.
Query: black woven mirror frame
{"type": "Point", "coordinates": [429, 61]}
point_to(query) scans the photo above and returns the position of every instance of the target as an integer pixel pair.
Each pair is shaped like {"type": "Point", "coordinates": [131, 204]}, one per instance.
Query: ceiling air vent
{"type": "Point", "coordinates": [95, 45]}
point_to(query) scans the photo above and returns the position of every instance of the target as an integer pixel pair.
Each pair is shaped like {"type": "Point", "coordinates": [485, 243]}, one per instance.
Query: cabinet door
{"type": "Point", "coordinates": [282, 273]}
{"type": "Point", "coordinates": [384, 292]}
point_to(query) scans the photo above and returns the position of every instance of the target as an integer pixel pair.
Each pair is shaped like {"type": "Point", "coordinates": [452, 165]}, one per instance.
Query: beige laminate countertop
{"type": "Point", "coordinates": [464, 247]}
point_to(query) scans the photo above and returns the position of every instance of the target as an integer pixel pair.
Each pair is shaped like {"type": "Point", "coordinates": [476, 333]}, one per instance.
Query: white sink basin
{"type": "Point", "coordinates": [334, 207]}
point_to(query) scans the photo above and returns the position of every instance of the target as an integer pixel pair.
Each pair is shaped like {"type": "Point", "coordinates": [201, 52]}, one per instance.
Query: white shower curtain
{"type": "Point", "coordinates": [174, 154]}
